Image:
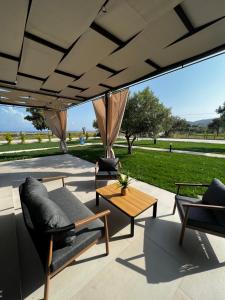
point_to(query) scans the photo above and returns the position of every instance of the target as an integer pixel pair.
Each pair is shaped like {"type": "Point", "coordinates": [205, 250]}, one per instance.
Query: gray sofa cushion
{"type": "Point", "coordinates": [107, 175]}
{"type": "Point", "coordinates": [85, 235]}
{"type": "Point", "coordinates": [215, 195]}
{"type": "Point", "coordinates": [198, 217]}
{"type": "Point", "coordinates": [32, 187]}
{"type": "Point", "coordinates": [108, 164]}
{"type": "Point", "coordinates": [44, 213]}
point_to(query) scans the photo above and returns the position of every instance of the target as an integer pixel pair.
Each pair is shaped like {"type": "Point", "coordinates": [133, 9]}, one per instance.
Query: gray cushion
{"type": "Point", "coordinates": [198, 217]}
{"type": "Point", "coordinates": [107, 175]}
{"type": "Point", "coordinates": [108, 164]}
{"type": "Point", "coordinates": [215, 195]}
{"type": "Point", "coordinates": [85, 235]}
{"type": "Point", "coordinates": [45, 214]}
{"type": "Point", "coordinates": [32, 187]}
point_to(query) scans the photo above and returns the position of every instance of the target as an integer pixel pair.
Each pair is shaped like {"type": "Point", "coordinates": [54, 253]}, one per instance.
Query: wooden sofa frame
{"type": "Point", "coordinates": [77, 224]}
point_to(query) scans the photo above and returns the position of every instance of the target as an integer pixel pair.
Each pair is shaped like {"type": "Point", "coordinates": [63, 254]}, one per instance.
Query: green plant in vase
{"type": "Point", "coordinates": [124, 181]}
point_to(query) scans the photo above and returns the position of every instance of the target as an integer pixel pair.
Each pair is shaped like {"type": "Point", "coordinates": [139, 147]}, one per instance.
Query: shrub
{"type": "Point", "coordinates": [22, 138]}
{"type": "Point", "coordinates": [70, 137]}
{"type": "Point", "coordinates": [87, 135]}
{"type": "Point", "coordinates": [8, 138]}
{"type": "Point", "coordinates": [49, 137]}
{"type": "Point", "coordinates": [39, 138]}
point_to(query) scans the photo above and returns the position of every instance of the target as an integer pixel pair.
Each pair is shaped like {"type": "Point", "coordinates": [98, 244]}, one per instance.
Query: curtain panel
{"type": "Point", "coordinates": [57, 122]}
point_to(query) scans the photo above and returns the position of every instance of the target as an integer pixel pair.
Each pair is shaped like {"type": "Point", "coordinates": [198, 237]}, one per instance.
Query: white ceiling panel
{"type": "Point", "coordinates": [12, 22]}
{"type": "Point", "coordinates": [128, 21]}
{"type": "Point", "coordinates": [86, 53]}
{"type": "Point", "coordinates": [69, 92]}
{"type": "Point", "coordinates": [38, 60]}
{"type": "Point", "coordinates": [151, 10]}
{"type": "Point", "coordinates": [212, 36]}
{"type": "Point", "coordinates": [91, 78]}
{"type": "Point", "coordinates": [57, 82]}
{"type": "Point", "coordinates": [129, 74]}
{"type": "Point", "coordinates": [203, 11]}
{"type": "Point", "coordinates": [28, 83]}
{"type": "Point", "coordinates": [8, 69]}
{"type": "Point", "coordinates": [157, 35]}
{"type": "Point", "coordinates": [91, 92]}
{"type": "Point", "coordinates": [62, 22]}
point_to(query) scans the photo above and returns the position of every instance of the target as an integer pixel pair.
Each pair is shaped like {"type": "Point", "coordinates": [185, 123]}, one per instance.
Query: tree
{"type": "Point", "coordinates": [37, 118]}
{"type": "Point", "coordinates": [215, 125]}
{"type": "Point", "coordinates": [95, 125]}
{"type": "Point", "coordinates": [143, 114]}
{"type": "Point", "coordinates": [176, 124]}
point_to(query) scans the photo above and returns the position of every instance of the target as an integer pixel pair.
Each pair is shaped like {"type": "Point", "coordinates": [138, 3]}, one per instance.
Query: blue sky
{"type": "Point", "coordinates": [193, 93]}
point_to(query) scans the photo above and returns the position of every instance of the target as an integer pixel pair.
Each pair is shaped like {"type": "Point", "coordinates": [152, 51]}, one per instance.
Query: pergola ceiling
{"type": "Point", "coordinates": [57, 54]}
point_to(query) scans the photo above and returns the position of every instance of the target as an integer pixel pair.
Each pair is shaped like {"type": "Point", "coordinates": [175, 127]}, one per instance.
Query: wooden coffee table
{"type": "Point", "coordinates": [132, 204]}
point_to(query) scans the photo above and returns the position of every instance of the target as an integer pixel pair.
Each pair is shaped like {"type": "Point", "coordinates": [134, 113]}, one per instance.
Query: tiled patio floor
{"type": "Point", "coordinates": [151, 265]}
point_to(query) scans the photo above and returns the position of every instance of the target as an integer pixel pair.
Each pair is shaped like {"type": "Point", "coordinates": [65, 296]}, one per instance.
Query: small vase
{"type": "Point", "coordinates": [123, 191]}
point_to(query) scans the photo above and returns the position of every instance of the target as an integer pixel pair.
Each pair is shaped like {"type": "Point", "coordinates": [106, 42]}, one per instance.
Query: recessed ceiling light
{"type": "Point", "coordinates": [4, 91]}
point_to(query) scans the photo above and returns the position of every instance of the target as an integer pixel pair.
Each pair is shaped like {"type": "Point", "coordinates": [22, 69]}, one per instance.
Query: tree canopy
{"type": "Point", "coordinates": [36, 116]}
{"type": "Point", "coordinates": [144, 113]}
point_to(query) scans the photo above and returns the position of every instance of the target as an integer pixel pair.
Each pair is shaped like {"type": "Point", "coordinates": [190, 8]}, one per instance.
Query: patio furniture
{"type": "Point", "coordinates": [106, 169]}
{"type": "Point", "coordinates": [206, 214]}
{"type": "Point", "coordinates": [132, 204]}
{"type": "Point", "coordinates": [60, 226]}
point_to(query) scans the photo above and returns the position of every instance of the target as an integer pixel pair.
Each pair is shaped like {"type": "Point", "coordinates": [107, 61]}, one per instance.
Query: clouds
{"type": "Point", "coordinates": [12, 119]}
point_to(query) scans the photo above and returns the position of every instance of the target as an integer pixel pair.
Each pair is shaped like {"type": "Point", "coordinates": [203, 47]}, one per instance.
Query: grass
{"type": "Point", "coordinates": [162, 169]}
{"type": "Point", "coordinates": [189, 146]}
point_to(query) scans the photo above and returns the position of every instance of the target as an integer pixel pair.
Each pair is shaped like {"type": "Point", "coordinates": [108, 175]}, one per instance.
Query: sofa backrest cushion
{"type": "Point", "coordinates": [108, 164]}
{"type": "Point", "coordinates": [215, 195]}
{"type": "Point", "coordinates": [32, 187]}
{"type": "Point", "coordinates": [44, 213]}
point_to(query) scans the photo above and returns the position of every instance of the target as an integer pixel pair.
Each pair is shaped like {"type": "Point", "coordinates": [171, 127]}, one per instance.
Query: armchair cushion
{"type": "Point", "coordinates": [215, 195]}
{"type": "Point", "coordinates": [107, 175]}
{"type": "Point", "coordinates": [198, 217]}
{"type": "Point", "coordinates": [108, 164]}
{"type": "Point", "coordinates": [32, 187]}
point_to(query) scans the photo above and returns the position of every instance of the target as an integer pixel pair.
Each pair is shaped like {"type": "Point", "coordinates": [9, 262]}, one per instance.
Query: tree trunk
{"type": "Point", "coordinates": [130, 143]}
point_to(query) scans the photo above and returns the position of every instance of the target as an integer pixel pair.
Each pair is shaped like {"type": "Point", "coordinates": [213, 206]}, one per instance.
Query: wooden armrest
{"type": "Point", "coordinates": [46, 179]}
{"type": "Point", "coordinates": [191, 184]}
{"type": "Point", "coordinates": [217, 207]}
{"type": "Point", "coordinates": [92, 218]}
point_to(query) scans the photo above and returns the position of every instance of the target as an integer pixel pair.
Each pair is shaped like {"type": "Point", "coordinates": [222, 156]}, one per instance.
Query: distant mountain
{"type": "Point", "coordinates": [203, 123]}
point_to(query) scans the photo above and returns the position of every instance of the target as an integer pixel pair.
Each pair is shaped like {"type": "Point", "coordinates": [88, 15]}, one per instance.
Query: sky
{"type": "Point", "coordinates": [193, 93]}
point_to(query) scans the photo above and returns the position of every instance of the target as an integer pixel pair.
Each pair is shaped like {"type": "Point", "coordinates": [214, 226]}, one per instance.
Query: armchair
{"type": "Point", "coordinates": [206, 215]}
{"type": "Point", "coordinates": [107, 169]}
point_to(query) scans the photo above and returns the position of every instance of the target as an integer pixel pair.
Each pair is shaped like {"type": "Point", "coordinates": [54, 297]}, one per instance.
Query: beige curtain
{"type": "Point", "coordinates": [57, 121]}
{"type": "Point", "coordinates": [116, 107]}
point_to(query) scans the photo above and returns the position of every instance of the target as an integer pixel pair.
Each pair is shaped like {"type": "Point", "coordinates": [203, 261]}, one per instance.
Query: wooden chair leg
{"type": "Point", "coordinates": [46, 292]}
{"type": "Point", "coordinates": [106, 235]}
{"type": "Point", "coordinates": [48, 264]}
{"type": "Point", "coordinates": [174, 208]}
{"type": "Point", "coordinates": [182, 234]}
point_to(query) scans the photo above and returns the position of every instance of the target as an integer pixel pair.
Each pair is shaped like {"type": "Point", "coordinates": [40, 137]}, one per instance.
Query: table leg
{"type": "Point", "coordinates": [154, 210]}
{"type": "Point", "coordinates": [97, 199]}
{"type": "Point", "coordinates": [131, 226]}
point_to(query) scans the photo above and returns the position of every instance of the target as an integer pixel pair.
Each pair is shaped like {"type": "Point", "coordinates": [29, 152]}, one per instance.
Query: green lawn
{"type": "Point", "coordinates": [189, 146]}
{"type": "Point", "coordinates": [161, 169]}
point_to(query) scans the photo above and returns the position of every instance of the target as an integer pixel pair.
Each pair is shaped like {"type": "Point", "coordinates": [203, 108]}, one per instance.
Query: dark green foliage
{"type": "Point", "coordinates": [36, 116]}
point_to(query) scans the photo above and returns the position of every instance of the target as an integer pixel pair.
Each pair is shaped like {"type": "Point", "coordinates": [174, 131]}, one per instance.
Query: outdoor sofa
{"type": "Point", "coordinates": [60, 225]}
{"type": "Point", "coordinates": [206, 214]}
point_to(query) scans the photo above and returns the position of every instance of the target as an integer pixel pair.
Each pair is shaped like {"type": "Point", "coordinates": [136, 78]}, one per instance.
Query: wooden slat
{"type": "Point", "coordinates": [133, 203]}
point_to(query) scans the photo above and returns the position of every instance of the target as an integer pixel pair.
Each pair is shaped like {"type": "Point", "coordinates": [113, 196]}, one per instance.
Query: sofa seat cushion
{"type": "Point", "coordinates": [75, 210]}
{"type": "Point", "coordinates": [108, 164]}
{"type": "Point", "coordinates": [198, 217]}
{"type": "Point", "coordinates": [104, 175]}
